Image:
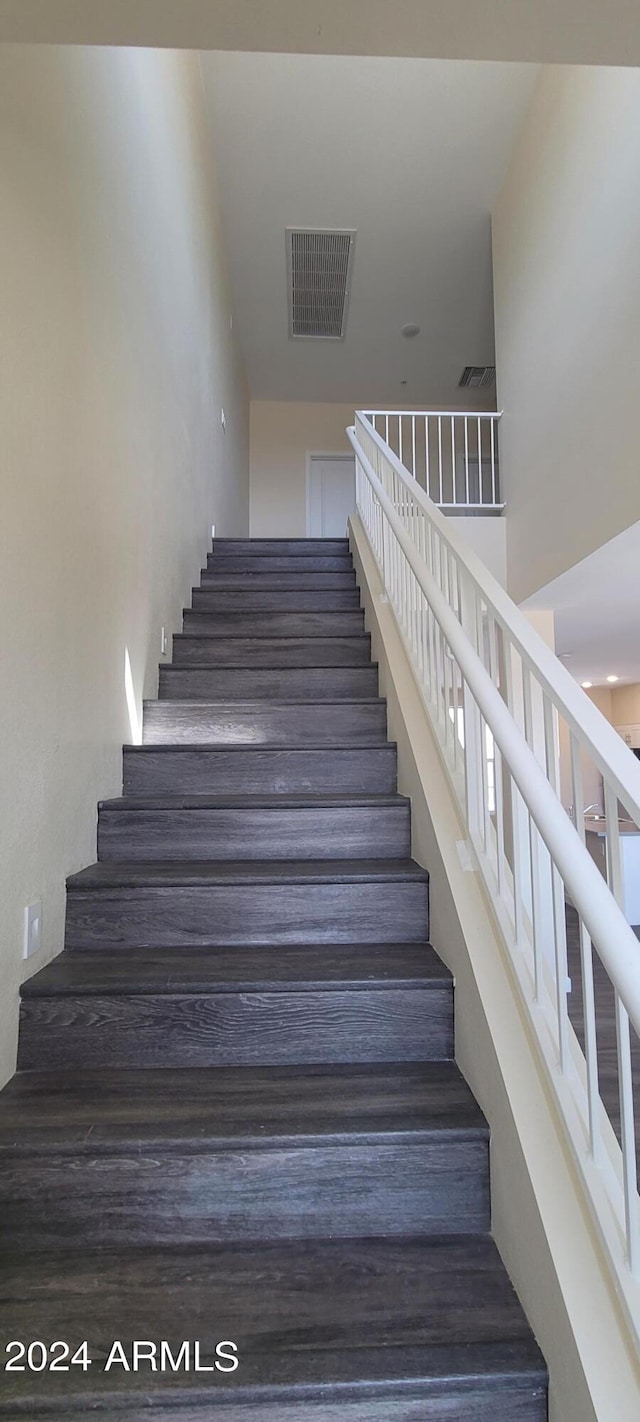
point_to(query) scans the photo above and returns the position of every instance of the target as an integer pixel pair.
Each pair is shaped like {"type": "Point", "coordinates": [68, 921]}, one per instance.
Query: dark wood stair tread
{"type": "Point", "coordinates": [248, 622]}
{"type": "Point", "coordinates": [282, 801]}
{"type": "Point", "coordinates": [273, 545]}
{"type": "Point", "coordinates": [274, 703]}
{"type": "Point", "coordinates": [205, 873]}
{"type": "Point", "coordinates": [321, 580]}
{"type": "Point", "coordinates": [110, 971]}
{"type": "Point", "coordinates": [247, 747]}
{"type": "Point", "coordinates": [257, 1108]}
{"type": "Point", "coordinates": [360, 1315]}
{"type": "Point", "coordinates": [268, 639]}
{"type": "Point", "coordinates": [238, 1114]}
{"type": "Point", "coordinates": [273, 666]}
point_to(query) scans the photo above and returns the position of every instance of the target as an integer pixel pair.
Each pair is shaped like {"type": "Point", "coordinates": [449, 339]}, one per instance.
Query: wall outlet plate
{"type": "Point", "coordinates": [32, 929]}
{"type": "Point", "coordinates": [213, 530]}
{"type": "Point", "coordinates": [164, 642]}
{"type": "Point", "coordinates": [223, 421]}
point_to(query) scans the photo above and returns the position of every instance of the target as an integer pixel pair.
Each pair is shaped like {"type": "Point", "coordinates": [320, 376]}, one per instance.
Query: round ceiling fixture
{"type": "Point", "coordinates": [613, 678]}
{"type": "Point", "coordinates": [410, 330]}
{"type": "Point", "coordinates": [586, 684]}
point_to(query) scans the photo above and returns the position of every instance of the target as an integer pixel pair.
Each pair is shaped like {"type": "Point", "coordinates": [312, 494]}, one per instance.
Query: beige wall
{"type": "Point", "coordinates": [625, 705]}
{"type": "Point", "coordinates": [620, 706]}
{"type": "Point", "coordinates": [281, 436]}
{"type": "Point", "coordinates": [283, 433]}
{"type": "Point", "coordinates": [116, 357]}
{"type": "Point", "coordinates": [566, 234]}
{"type": "Point", "coordinates": [602, 697]}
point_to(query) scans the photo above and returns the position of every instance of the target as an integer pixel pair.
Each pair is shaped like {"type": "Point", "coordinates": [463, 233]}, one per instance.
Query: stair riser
{"type": "Point", "coordinates": [281, 683]}
{"type": "Point", "coordinates": [357, 833]}
{"type": "Point", "coordinates": [279, 563]}
{"type": "Point", "coordinates": [180, 723]}
{"type": "Point", "coordinates": [250, 599]}
{"type": "Point", "coordinates": [246, 1195]}
{"type": "Point", "coordinates": [272, 651]}
{"type": "Point", "coordinates": [260, 772]}
{"type": "Point", "coordinates": [294, 547]}
{"type": "Point", "coordinates": [217, 579]}
{"type": "Point", "coordinates": [274, 624]}
{"type": "Point", "coordinates": [237, 1028]}
{"type": "Point", "coordinates": [494, 1400]}
{"type": "Point", "coordinates": [247, 914]}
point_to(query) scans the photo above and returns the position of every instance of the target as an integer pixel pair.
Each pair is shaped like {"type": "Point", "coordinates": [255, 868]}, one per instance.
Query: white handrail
{"type": "Point", "coordinates": [445, 414]}
{"type": "Point", "coordinates": [453, 453]}
{"type": "Point", "coordinates": [510, 722]}
{"type": "Point", "coordinates": [617, 944]}
{"type": "Point", "coordinates": [609, 751]}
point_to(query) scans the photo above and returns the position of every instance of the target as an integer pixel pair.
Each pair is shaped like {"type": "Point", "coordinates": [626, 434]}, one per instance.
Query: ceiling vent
{"type": "Point", "coordinates": [477, 377]}
{"type": "Point", "coordinates": [319, 266]}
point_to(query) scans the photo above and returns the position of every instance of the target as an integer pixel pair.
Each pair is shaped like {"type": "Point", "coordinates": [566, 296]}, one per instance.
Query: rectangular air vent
{"type": "Point", "coordinates": [319, 266]}
{"type": "Point", "coordinates": [477, 377]}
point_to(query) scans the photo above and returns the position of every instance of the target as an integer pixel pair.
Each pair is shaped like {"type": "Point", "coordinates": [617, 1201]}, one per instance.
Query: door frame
{"type": "Point", "coordinates": [337, 454]}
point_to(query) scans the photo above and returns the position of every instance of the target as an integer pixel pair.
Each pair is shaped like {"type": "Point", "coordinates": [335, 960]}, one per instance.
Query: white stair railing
{"type": "Point", "coordinates": [506, 715]}
{"type": "Point", "coordinates": [453, 454]}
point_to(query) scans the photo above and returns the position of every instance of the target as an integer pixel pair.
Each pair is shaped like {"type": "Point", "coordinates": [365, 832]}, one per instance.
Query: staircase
{"type": "Point", "coordinates": [237, 1115]}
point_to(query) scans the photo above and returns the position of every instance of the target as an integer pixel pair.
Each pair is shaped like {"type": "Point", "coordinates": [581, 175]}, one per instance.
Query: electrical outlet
{"type": "Point", "coordinates": [164, 642]}
{"type": "Point", "coordinates": [231, 323]}
{"type": "Point", "coordinates": [32, 929]}
{"type": "Point", "coordinates": [223, 421]}
{"type": "Point", "coordinates": [213, 530]}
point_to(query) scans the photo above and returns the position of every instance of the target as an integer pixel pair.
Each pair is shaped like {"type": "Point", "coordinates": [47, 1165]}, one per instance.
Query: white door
{"type": "Point", "coordinates": [331, 488]}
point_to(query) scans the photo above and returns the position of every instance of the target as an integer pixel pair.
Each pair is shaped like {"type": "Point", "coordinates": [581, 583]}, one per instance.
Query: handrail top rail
{"type": "Point", "coordinates": [442, 414]}
{"type": "Point", "coordinates": [609, 753]}
{"type": "Point", "coordinates": [615, 940]}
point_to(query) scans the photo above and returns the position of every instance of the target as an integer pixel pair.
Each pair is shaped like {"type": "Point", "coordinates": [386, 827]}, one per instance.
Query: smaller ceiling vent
{"type": "Point", "coordinates": [319, 266]}
{"type": "Point", "coordinates": [477, 377]}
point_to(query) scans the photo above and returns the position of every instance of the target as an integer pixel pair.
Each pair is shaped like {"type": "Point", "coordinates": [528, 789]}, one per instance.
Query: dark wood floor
{"type": "Point", "coordinates": [238, 1114]}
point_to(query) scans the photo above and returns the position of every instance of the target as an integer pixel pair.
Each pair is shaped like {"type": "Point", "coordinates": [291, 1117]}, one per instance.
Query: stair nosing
{"type": "Point", "coordinates": [272, 747]}
{"type": "Point", "coordinates": [243, 872]}
{"type": "Point", "coordinates": [185, 971]}
{"type": "Point", "coordinates": [273, 702]}
{"type": "Point", "coordinates": [277, 801]}
{"type": "Point", "coordinates": [408, 1136]}
{"type": "Point", "coordinates": [244, 987]}
{"type": "Point", "coordinates": [267, 667]}
{"type": "Point", "coordinates": [231, 636]}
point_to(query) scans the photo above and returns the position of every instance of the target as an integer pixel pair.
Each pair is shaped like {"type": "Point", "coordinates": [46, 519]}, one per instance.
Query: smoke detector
{"type": "Point", "coordinates": [319, 268]}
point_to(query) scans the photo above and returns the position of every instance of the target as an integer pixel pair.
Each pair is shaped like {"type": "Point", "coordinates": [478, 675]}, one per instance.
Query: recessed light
{"type": "Point", "coordinates": [613, 678]}
{"type": "Point", "coordinates": [410, 330]}
{"type": "Point", "coordinates": [587, 684]}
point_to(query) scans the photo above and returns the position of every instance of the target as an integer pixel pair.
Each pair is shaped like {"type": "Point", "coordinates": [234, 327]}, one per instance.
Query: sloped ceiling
{"type": "Point", "coordinates": [539, 31]}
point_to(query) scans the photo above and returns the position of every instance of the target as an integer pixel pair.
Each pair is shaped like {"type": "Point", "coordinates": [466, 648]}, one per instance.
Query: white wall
{"type": "Point", "coordinates": [566, 234]}
{"type": "Point", "coordinates": [116, 356]}
{"type": "Point", "coordinates": [487, 536]}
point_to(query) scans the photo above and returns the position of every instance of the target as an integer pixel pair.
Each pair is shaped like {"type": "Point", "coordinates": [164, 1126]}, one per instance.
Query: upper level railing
{"type": "Point", "coordinates": [452, 454]}
{"type": "Point", "coordinates": [512, 726]}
